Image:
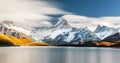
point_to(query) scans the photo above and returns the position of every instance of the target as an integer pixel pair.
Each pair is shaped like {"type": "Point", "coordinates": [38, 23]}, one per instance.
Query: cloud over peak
{"type": "Point", "coordinates": [28, 12]}
{"type": "Point", "coordinates": [92, 22]}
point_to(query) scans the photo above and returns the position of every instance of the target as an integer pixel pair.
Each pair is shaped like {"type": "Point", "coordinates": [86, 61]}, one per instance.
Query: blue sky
{"type": "Point", "coordinates": [91, 8]}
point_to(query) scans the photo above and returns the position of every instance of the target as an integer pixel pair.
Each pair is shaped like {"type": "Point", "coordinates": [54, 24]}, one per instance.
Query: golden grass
{"type": "Point", "coordinates": [37, 44]}
{"type": "Point", "coordinates": [19, 41]}
{"type": "Point", "coordinates": [104, 43]}
{"type": "Point", "coordinates": [4, 38]}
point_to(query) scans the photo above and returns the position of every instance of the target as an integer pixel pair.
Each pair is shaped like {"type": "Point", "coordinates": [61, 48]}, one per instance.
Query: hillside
{"type": "Point", "coordinates": [11, 41]}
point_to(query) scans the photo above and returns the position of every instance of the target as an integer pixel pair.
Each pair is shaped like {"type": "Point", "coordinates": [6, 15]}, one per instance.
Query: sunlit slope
{"type": "Point", "coordinates": [4, 40]}
{"type": "Point", "coordinates": [18, 41]}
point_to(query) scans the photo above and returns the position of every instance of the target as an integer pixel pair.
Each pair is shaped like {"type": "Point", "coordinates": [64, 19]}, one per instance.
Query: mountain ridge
{"type": "Point", "coordinates": [66, 33]}
{"type": "Point", "coordinates": [104, 31]}
{"type": "Point", "coordinates": [10, 29]}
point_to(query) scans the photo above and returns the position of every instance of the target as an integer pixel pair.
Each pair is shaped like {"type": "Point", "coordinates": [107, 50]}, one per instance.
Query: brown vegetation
{"type": "Point", "coordinates": [37, 44]}
{"type": "Point", "coordinates": [6, 40]}
{"type": "Point", "coordinates": [103, 43]}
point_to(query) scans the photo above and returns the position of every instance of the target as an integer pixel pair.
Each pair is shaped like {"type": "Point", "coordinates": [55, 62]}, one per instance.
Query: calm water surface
{"type": "Point", "coordinates": [59, 55]}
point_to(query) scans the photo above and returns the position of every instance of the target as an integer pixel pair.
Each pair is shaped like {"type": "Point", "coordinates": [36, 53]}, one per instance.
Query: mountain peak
{"type": "Point", "coordinates": [100, 28]}
{"type": "Point", "coordinates": [62, 23]}
{"type": "Point", "coordinates": [104, 31]}
{"type": "Point", "coordinates": [9, 23]}
{"type": "Point", "coordinates": [8, 27]}
{"type": "Point", "coordinates": [86, 28]}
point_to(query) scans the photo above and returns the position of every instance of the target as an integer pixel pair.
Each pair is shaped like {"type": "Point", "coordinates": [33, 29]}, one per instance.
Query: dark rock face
{"type": "Point", "coordinates": [86, 44]}
{"type": "Point", "coordinates": [5, 43]}
{"type": "Point", "coordinates": [116, 45]}
{"type": "Point", "coordinates": [113, 38]}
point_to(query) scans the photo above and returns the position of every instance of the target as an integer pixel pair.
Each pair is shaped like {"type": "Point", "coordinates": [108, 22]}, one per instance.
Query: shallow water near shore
{"type": "Point", "coordinates": [53, 54]}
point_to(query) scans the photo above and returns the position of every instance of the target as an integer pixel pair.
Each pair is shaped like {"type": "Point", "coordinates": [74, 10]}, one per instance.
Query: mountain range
{"type": "Point", "coordinates": [63, 33]}
{"type": "Point", "coordinates": [60, 33]}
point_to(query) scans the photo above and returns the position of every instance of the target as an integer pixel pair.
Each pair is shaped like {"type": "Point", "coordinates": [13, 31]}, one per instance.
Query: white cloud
{"type": "Point", "coordinates": [90, 22]}
{"type": "Point", "coordinates": [28, 13]}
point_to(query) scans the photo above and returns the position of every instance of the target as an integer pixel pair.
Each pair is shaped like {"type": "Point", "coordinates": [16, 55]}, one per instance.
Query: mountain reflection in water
{"type": "Point", "coordinates": [59, 55]}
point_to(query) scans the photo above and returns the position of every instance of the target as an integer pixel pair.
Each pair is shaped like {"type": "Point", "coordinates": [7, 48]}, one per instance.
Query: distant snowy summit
{"type": "Point", "coordinates": [104, 31]}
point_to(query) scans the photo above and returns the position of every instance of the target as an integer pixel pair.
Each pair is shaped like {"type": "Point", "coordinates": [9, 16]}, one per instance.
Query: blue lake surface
{"type": "Point", "coordinates": [59, 55]}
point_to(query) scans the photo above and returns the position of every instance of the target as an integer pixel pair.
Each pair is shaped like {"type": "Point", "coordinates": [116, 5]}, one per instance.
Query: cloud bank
{"type": "Point", "coordinates": [91, 22]}
{"type": "Point", "coordinates": [29, 13]}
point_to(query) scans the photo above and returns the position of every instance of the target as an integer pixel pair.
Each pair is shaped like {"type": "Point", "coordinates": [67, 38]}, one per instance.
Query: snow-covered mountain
{"type": "Point", "coordinates": [71, 36]}
{"type": "Point", "coordinates": [39, 33]}
{"type": "Point", "coordinates": [104, 31]}
{"type": "Point", "coordinates": [62, 24]}
{"type": "Point", "coordinates": [62, 33]}
{"type": "Point", "coordinates": [10, 29]}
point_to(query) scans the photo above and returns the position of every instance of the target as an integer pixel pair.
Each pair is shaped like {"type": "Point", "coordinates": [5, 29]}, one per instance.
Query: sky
{"type": "Point", "coordinates": [89, 13]}
{"type": "Point", "coordinates": [92, 8]}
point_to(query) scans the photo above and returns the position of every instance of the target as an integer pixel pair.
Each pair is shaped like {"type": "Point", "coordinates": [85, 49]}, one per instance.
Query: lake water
{"type": "Point", "coordinates": [59, 55]}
